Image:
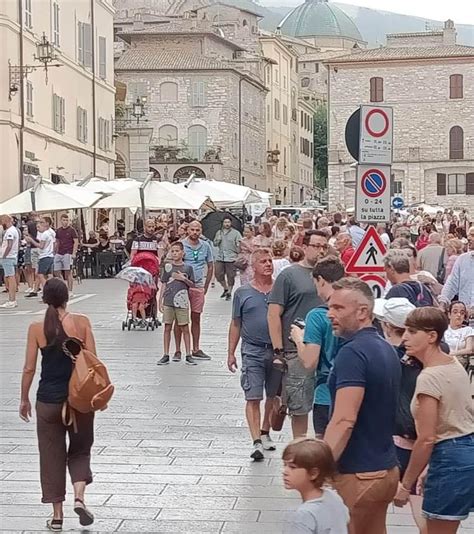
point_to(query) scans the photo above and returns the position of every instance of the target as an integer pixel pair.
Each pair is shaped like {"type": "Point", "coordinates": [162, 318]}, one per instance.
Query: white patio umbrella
{"type": "Point", "coordinates": [106, 187]}
{"type": "Point", "coordinates": [224, 194]}
{"type": "Point", "coordinates": [156, 196]}
{"type": "Point", "coordinates": [45, 196]}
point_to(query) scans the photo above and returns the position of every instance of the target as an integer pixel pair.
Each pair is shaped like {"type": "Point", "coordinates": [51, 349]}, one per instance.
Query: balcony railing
{"type": "Point", "coordinates": [185, 154]}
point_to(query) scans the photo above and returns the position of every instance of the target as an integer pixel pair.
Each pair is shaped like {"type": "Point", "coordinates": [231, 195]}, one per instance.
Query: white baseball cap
{"type": "Point", "coordinates": [393, 311]}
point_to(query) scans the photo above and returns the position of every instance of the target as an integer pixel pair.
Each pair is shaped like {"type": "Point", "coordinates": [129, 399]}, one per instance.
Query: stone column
{"type": "Point", "coordinates": [139, 143]}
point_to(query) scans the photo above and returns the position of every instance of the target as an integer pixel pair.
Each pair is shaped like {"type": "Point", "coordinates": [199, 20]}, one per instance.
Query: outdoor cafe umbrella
{"type": "Point", "coordinates": [155, 196]}
{"type": "Point", "coordinates": [45, 196]}
{"type": "Point", "coordinates": [106, 187]}
{"type": "Point", "coordinates": [224, 194]}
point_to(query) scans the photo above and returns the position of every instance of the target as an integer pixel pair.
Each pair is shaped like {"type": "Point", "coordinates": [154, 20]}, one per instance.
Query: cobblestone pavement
{"type": "Point", "coordinates": [171, 453]}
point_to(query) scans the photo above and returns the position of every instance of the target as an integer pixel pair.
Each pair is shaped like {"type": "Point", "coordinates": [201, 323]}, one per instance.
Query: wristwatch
{"type": "Point", "coordinates": [278, 352]}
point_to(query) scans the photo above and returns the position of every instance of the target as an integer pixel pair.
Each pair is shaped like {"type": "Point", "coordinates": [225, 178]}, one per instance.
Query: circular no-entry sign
{"type": "Point", "coordinates": [376, 122]}
{"type": "Point", "coordinates": [374, 183]}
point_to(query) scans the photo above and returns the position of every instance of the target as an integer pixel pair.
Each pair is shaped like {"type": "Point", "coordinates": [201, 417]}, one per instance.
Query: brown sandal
{"type": "Point", "coordinates": [86, 517]}
{"type": "Point", "coordinates": [55, 525]}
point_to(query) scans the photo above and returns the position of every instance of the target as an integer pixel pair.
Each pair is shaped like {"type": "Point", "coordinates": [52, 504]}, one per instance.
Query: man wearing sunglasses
{"type": "Point", "coordinates": [198, 254]}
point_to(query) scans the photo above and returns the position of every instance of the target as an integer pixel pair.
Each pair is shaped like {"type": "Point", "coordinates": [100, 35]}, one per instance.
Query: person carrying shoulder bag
{"type": "Point", "coordinates": [51, 337]}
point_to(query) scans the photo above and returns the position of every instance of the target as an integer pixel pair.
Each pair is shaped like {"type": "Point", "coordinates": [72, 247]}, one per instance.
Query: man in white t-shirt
{"type": "Point", "coordinates": [9, 259]}
{"type": "Point", "coordinates": [45, 240]}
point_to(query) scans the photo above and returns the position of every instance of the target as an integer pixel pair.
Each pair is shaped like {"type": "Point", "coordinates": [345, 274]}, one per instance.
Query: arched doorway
{"type": "Point", "coordinates": [182, 174]}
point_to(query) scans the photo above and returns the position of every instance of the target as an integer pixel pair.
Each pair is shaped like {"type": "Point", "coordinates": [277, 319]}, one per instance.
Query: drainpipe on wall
{"type": "Point", "coordinates": [94, 118]}
{"type": "Point", "coordinates": [22, 100]}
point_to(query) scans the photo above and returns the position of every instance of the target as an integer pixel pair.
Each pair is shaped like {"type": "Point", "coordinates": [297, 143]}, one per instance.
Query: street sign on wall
{"type": "Point", "coordinates": [376, 135]}
{"type": "Point", "coordinates": [372, 193]}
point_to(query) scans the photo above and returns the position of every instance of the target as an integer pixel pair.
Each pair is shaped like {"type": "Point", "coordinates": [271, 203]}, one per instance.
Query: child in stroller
{"type": "Point", "coordinates": [141, 297]}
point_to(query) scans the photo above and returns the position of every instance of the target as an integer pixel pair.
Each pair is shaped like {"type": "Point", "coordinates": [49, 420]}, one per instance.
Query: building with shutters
{"type": "Point", "coordinates": [204, 96]}
{"type": "Point", "coordinates": [429, 81]}
{"type": "Point", "coordinates": [59, 127]}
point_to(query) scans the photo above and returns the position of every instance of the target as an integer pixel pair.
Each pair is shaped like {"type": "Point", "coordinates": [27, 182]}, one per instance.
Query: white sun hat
{"type": "Point", "coordinates": [393, 311]}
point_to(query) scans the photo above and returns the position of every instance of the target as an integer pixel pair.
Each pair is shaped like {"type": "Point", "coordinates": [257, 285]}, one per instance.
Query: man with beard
{"type": "Point", "coordinates": [292, 297]}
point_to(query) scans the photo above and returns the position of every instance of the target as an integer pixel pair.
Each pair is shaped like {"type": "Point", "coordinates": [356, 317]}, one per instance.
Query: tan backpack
{"type": "Point", "coordinates": [90, 388]}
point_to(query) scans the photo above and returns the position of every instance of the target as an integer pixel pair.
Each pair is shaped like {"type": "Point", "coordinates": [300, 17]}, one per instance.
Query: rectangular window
{"type": "Point", "coordinates": [102, 58]}
{"type": "Point", "coordinates": [302, 119]}
{"type": "Point", "coordinates": [285, 114]}
{"type": "Point", "coordinates": [441, 184]}
{"type": "Point", "coordinates": [376, 89]}
{"type": "Point", "coordinates": [456, 86]}
{"type": "Point", "coordinates": [59, 115]}
{"type": "Point", "coordinates": [56, 24]}
{"type": "Point", "coordinates": [84, 44]}
{"type": "Point", "coordinates": [29, 99]}
{"type": "Point", "coordinates": [104, 133]}
{"type": "Point", "coordinates": [456, 184]}
{"type": "Point", "coordinates": [269, 113]}
{"type": "Point", "coordinates": [277, 109]}
{"type": "Point", "coordinates": [28, 18]}
{"type": "Point", "coordinates": [284, 82]}
{"type": "Point", "coordinates": [470, 183]}
{"type": "Point", "coordinates": [316, 67]}
{"type": "Point", "coordinates": [198, 96]}
{"type": "Point", "coordinates": [397, 187]}
{"type": "Point", "coordinates": [82, 124]}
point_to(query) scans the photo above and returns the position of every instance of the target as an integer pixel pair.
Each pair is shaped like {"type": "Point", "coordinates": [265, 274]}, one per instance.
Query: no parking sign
{"type": "Point", "coordinates": [373, 193]}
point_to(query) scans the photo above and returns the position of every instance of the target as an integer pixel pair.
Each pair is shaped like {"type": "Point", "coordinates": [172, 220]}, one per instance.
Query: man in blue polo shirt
{"type": "Point", "coordinates": [364, 385]}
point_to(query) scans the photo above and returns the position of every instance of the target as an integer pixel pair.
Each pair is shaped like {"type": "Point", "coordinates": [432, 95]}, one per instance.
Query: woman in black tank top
{"type": "Point", "coordinates": [56, 367]}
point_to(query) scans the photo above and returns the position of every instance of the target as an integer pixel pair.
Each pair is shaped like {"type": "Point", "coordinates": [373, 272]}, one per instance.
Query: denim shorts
{"type": "Point", "coordinates": [449, 486]}
{"type": "Point", "coordinates": [258, 374]}
{"type": "Point", "coordinates": [300, 385]}
{"type": "Point", "coordinates": [9, 266]}
{"type": "Point", "coordinates": [45, 265]}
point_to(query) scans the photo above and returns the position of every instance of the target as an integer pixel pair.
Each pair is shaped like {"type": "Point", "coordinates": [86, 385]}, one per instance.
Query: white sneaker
{"type": "Point", "coordinates": [257, 452]}
{"type": "Point", "coordinates": [28, 290]}
{"type": "Point", "coordinates": [267, 442]}
{"type": "Point", "coordinates": [9, 304]}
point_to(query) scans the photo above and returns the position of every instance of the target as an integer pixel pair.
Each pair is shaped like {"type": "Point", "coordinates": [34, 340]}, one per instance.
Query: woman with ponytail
{"type": "Point", "coordinates": [47, 337]}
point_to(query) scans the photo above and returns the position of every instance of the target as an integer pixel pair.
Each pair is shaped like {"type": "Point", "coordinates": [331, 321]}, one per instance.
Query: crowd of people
{"type": "Point", "coordinates": [385, 381]}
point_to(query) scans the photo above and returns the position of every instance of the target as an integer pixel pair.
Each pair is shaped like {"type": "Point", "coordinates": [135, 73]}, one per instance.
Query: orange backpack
{"type": "Point", "coordinates": [90, 388]}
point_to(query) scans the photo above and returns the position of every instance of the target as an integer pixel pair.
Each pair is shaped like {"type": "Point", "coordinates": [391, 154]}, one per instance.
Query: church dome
{"type": "Point", "coordinates": [318, 18]}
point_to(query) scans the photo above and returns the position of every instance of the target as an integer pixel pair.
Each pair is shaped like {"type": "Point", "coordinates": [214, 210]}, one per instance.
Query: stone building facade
{"type": "Point", "coordinates": [207, 113]}
{"type": "Point", "coordinates": [429, 81]}
{"type": "Point", "coordinates": [59, 128]}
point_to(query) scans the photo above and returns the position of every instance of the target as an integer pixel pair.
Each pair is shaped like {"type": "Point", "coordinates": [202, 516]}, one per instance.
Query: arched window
{"type": "Point", "coordinates": [168, 135]}
{"type": "Point", "coordinates": [244, 23]}
{"type": "Point", "coordinates": [169, 92]}
{"type": "Point", "coordinates": [376, 89]}
{"type": "Point", "coordinates": [456, 143]}
{"type": "Point", "coordinates": [455, 86]}
{"type": "Point", "coordinates": [197, 141]}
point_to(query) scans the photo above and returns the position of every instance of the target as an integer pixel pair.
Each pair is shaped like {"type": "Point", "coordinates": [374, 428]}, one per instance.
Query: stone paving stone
{"type": "Point", "coordinates": [171, 452]}
{"type": "Point", "coordinates": [171, 527]}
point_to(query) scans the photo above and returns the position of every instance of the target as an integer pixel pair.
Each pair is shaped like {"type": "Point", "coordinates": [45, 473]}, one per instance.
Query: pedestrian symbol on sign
{"type": "Point", "coordinates": [368, 257]}
{"type": "Point", "coordinates": [371, 254]}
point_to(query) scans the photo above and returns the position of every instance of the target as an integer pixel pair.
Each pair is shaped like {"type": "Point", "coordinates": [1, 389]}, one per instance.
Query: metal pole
{"type": "Point", "coordinates": [22, 100]}
{"type": "Point", "coordinates": [94, 110]}
{"type": "Point", "coordinates": [148, 179]}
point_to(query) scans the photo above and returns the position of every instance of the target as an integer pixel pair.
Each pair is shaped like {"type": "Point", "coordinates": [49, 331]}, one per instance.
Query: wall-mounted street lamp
{"type": "Point", "coordinates": [138, 108]}
{"type": "Point", "coordinates": [45, 53]}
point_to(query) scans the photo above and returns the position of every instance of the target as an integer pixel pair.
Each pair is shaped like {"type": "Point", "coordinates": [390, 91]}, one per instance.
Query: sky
{"type": "Point", "coordinates": [461, 11]}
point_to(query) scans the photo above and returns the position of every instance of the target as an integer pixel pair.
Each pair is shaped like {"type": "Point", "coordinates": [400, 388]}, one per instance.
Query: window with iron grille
{"type": "Point", "coordinates": [376, 89]}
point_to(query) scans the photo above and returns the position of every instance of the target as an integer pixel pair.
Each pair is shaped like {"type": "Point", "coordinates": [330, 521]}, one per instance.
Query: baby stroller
{"type": "Point", "coordinates": [143, 277]}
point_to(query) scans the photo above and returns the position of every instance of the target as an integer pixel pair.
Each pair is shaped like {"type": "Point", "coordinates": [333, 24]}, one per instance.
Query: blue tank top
{"type": "Point", "coordinates": [56, 370]}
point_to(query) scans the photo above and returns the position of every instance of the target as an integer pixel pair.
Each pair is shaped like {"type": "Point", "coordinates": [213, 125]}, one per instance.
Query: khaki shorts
{"type": "Point", "coordinates": [178, 315]}
{"type": "Point", "coordinates": [300, 385]}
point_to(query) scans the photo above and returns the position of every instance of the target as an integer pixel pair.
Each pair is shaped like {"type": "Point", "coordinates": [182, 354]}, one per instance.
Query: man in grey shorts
{"type": "Point", "coordinates": [249, 322]}
{"type": "Point", "coordinates": [292, 296]}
